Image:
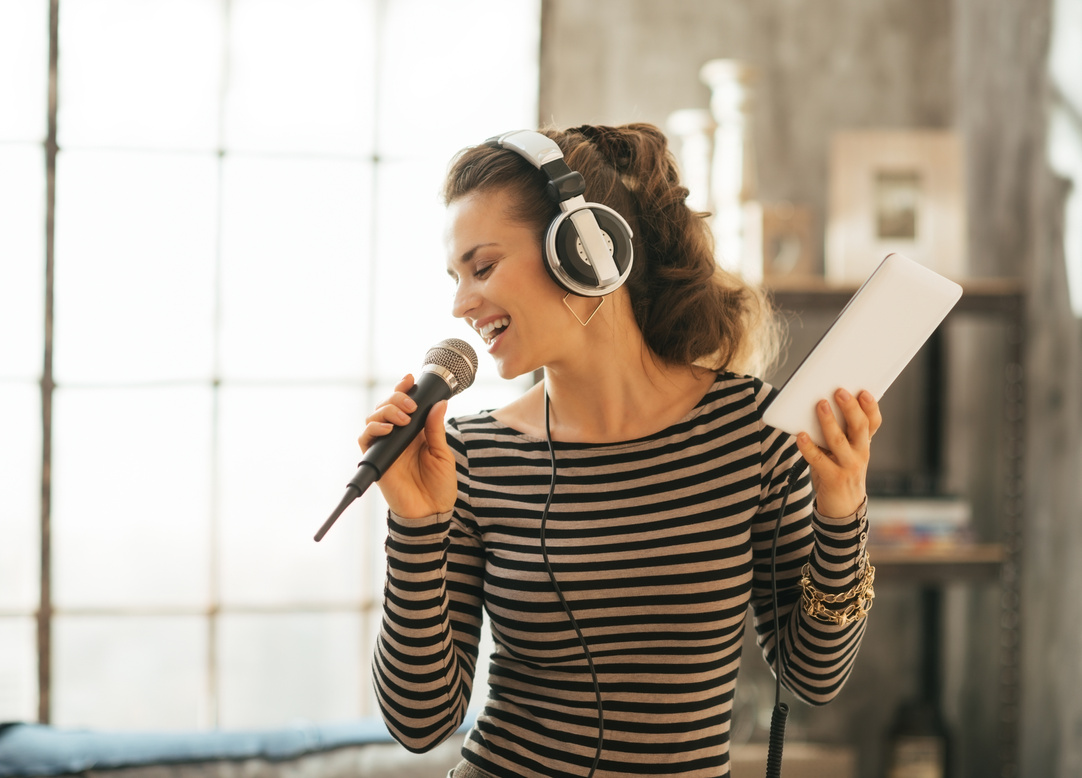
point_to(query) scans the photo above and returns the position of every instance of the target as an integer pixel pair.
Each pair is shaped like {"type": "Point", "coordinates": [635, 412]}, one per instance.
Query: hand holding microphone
{"type": "Point", "coordinates": [427, 481]}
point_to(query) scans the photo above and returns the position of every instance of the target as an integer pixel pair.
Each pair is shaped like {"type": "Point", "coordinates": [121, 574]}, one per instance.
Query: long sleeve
{"type": "Point", "coordinates": [426, 653]}
{"type": "Point", "coordinates": [817, 657]}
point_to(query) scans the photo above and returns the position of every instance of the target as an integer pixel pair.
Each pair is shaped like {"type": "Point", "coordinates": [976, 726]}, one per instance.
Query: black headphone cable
{"type": "Point", "coordinates": [563, 601]}
{"type": "Point", "coordinates": [781, 711]}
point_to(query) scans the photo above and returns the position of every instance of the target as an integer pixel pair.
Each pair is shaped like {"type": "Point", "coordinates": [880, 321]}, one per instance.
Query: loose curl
{"type": "Point", "coordinates": [689, 309]}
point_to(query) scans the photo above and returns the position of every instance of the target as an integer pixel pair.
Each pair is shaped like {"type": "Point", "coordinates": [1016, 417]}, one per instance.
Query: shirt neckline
{"type": "Point", "coordinates": [489, 420]}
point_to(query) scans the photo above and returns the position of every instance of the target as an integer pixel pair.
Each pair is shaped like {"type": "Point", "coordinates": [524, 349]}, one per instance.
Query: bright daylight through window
{"type": "Point", "coordinates": [246, 253]}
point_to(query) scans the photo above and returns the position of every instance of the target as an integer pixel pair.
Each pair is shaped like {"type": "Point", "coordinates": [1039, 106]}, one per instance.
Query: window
{"type": "Point", "coordinates": [243, 253]}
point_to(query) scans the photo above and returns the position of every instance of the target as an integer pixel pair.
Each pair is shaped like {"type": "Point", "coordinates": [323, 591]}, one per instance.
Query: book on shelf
{"type": "Point", "coordinates": [919, 523]}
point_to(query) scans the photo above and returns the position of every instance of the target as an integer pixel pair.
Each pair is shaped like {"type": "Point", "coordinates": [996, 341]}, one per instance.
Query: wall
{"type": "Point", "coordinates": [822, 65]}
{"type": "Point", "coordinates": [1052, 721]}
{"type": "Point", "coordinates": [979, 66]}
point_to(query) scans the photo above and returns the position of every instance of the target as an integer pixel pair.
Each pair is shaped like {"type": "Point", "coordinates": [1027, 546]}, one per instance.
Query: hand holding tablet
{"type": "Point", "coordinates": [867, 346]}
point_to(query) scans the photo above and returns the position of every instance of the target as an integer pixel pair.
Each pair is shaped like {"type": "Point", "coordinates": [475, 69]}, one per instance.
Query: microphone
{"type": "Point", "coordinates": [449, 367]}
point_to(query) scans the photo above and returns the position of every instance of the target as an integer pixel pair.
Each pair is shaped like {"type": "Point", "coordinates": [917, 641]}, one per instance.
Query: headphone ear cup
{"type": "Point", "coordinates": [566, 260]}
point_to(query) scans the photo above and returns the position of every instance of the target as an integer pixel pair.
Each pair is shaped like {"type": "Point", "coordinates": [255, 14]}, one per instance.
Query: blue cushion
{"type": "Point", "coordinates": [37, 750]}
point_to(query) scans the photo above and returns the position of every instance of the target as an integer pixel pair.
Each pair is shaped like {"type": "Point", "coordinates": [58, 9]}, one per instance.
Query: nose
{"type": "Point", "coordinates": [465, 300]}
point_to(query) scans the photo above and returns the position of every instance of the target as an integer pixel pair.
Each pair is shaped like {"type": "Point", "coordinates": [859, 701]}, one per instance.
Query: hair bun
{"type": "Point", "coordinates": [611, 143]}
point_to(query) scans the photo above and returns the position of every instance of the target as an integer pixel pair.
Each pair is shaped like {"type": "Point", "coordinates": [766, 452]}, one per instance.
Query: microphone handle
{"type": "Point", "coordinates": [429, 389]}
{"type": "Point", "coordinates": [352, 493]}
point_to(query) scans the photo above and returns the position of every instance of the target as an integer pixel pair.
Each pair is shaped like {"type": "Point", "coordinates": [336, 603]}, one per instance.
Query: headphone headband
{"type": "Point", "coordinates": [542, 151]}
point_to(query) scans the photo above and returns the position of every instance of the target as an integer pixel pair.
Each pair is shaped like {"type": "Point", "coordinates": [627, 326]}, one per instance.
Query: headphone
{"type": "Point", "coordinates": [587, 247]}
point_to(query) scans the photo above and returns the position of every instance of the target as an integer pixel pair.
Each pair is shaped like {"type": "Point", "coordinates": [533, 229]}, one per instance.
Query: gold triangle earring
{"type": "Point", "coordinates": [588, 318]}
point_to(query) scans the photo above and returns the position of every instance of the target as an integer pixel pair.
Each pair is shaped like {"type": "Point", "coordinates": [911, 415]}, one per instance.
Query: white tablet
{"type": "Point", "coordinates": [878, 331]}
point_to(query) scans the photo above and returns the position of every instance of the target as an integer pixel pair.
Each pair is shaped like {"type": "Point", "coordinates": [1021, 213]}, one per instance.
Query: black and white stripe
{"type": "Point", "coordinates": [659, 545]}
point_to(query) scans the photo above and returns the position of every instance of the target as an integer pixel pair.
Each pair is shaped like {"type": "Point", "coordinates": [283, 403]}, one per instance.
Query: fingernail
{"type": "Point", "coordinates": [844, 396]}
{"type": "Point", "coordinates": [411, 406]}
{"type": "Point", "coordinates": [824, 405]}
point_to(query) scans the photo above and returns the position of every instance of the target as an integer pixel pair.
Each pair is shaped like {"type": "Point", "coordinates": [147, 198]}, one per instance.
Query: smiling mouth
{"type": "Point", "coordinates": [494, 329]}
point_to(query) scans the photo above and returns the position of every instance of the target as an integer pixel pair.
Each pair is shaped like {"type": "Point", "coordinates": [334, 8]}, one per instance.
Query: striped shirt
{"type": "Point", "coordinates": [659, 545]}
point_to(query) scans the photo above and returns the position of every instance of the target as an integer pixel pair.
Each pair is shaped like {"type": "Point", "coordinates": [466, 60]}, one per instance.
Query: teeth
{"type": "Point", "coordinates": [487, 331]}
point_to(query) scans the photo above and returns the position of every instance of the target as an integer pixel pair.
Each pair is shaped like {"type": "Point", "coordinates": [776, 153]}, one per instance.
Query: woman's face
{"type": "Point", "coordinates": [502, 288]}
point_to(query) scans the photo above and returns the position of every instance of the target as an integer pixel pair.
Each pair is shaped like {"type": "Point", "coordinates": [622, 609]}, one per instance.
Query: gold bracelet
{"type": "Point", "coordinates": [859, 597]}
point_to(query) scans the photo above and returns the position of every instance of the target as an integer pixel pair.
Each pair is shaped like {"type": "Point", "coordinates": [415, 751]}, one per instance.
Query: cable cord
{"type": "Point", "coordinates": [563, 601]}
{"type": "Point", "coordinates": [781, 710]}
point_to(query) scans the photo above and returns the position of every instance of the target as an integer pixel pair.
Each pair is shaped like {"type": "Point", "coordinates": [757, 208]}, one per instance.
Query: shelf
{"type": "Point", "coordinates": [802, 760]}
{"type": "Point", "coordinates": [969, 563]}
{"type": "Point", "coordinates": [934, 570]}
{"type": "Point", "coordinates": [979, 295]}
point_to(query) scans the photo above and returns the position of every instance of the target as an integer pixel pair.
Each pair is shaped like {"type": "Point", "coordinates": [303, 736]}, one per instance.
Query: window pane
{"type": "Point", "coordinates": [412, 295]}
{"type": "Point", "coordinates": [430, 107]}
{"type": "Point", "coordinates": [18, 669]}
{"type": "Point", "coordinates": [20, 496]}
{"type": "Point", "coordinates": [24, 49]}
{"type": "Point", "coordinates": [287, 454]}
{"type": "Point", "coordinates": [135, 264]}
{"type": "Point", "coordinates": [130, 673]}
{"type": "Point", "coordinates": [278, 669]}
{"type": "Point", "coordinates": [300, 76]}
{"type": "Point", "coordinates": [140, 73]}
{"type": "Point", "coordinates": [131, 497]}
{"type": "Point", "coordinates": [295, 268]}
{"type": "Point", "coordinates": [22, 267]}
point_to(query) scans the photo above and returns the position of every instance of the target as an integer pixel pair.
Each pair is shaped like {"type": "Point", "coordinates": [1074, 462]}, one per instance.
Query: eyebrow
{"type": "Point", "coordinates": [467, 256]}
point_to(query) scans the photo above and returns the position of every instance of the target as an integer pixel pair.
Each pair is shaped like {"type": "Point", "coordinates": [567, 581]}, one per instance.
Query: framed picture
{"type": "Point", "coordinates": [895, 191]}
{"type": "Point", "coordinates": [788, 242]}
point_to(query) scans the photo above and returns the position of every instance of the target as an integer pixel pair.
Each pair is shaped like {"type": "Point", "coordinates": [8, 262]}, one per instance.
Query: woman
{"type": "Point", "coordinates": [615, 521]}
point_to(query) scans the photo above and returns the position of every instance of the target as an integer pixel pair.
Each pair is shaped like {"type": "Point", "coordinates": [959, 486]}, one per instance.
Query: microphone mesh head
{"type": "Point", "coordinates": [456, 356]}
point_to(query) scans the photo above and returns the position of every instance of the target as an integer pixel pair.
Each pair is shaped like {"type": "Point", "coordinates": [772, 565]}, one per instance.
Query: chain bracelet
{"type": "Point", "coordinates": [859, 597]}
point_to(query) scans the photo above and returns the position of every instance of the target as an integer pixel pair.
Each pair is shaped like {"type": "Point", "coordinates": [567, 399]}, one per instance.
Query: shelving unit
{"type": "Point", "coordinates": [970, 563]}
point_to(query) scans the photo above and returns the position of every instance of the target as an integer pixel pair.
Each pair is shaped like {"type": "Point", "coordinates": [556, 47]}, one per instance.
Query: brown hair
{"type": "Point", "coordinates": [689, 309]}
